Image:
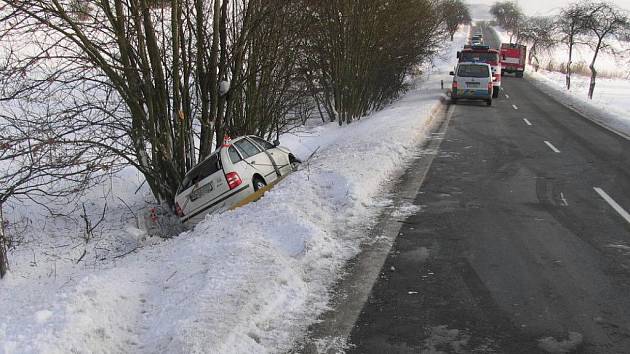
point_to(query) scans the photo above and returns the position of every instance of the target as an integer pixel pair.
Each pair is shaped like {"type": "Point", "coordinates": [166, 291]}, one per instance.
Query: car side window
{"type": "Point", "coordinates": [234, 155]}
{"type": "Point", "coordinates": [247, 148]}
{"type": "Point", "coordinates": [262, 143]}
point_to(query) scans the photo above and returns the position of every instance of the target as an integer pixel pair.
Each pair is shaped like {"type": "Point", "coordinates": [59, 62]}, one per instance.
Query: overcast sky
{"type": "Point", "coordinates": [546, 7]}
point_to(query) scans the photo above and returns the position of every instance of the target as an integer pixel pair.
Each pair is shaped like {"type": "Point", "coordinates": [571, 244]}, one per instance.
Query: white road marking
{"type": "Point", "coordinates": [624, 214]}
{"type": "Point", "coordinates": [564, 200]}
{"type": "Point", "coordinates": [527, 122]}
{"type": "Point", "coordinates": [552, 147]}
{"type": "Point", "coordinates": [507, 96]}
{"type": "Point", "coordinates": [514, 106]}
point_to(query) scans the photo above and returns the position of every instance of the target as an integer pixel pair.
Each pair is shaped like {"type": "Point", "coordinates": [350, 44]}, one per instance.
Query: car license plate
{"type": "Point", "coordinates": [472, 84]}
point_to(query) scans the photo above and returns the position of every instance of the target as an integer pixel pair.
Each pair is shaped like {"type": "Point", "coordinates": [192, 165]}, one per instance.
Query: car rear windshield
{"type": "Point", "coordinates": [473, 70]}
{"type": "Point", "coordinates": [201, 171]}
{"type": "Point", "coordinates": [481, 57]}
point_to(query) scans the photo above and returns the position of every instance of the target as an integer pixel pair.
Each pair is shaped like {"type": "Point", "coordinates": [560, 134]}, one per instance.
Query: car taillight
{"type": "Point", "coordinates": [178, 210]}
{"type": "Point", "coordinates": [233, 179]}
{"type": "Point", "coordinates": [490, 87]}
{"type": "Point", "coordinates": [454, 84]}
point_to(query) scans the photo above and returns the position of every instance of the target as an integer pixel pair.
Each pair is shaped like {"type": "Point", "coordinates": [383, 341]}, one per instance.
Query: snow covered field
{"type": "Point", "coordinates": [610, 105]}
{"type": "Point", "coordinates": [247, 281]}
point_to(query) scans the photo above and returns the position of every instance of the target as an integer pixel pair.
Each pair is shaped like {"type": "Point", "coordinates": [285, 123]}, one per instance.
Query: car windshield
{"type": "Point", "coordinates": [482, 57]}
{"type": "Point", "coordinates": [473, 70]}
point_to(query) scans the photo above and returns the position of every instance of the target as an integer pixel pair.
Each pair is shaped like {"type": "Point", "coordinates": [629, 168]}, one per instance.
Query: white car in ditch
{"type": "Point", "coordinates": [237, 169]}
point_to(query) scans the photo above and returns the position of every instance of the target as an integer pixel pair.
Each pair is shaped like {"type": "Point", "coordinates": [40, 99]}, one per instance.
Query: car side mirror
{"type": "Point", "coordinates": [276, 143]}
{"type": "Point", "coordinates": [452, 73]}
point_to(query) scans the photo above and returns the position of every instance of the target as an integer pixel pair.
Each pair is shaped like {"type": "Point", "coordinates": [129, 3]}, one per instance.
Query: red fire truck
{"type": "Point", "coordinates": [513, 58]}
{"type": "Point", "coordinates": [484, 54]}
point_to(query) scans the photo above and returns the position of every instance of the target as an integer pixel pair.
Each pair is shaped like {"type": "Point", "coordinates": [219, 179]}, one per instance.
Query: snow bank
{"type": "Point", "coordinates": [246, 281]}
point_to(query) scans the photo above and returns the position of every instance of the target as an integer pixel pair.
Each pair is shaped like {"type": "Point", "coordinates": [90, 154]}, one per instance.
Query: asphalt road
{"type": "Point", "coordinates": [521, 242]}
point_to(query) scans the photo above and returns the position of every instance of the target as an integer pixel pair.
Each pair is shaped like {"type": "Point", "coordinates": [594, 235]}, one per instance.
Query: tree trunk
{"type": "Point", "coordinates": [568, 74]}
{"type": "Point", "coordinates": [4, 263]}
{"type": "Point", "coordinates": [532, 53]}
{"type": "Point", "coordinates": [591, 86]}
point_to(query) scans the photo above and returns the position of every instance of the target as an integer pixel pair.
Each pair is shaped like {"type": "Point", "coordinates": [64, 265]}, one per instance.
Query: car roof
{"type": "Point", "coordinates": [473, 63]}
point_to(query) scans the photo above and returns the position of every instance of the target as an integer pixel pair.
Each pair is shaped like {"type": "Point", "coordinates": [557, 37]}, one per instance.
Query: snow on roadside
{"type": "Point", "coordinates": [249, 280]}
{"type": "Point", "coordinates": [610, 105]}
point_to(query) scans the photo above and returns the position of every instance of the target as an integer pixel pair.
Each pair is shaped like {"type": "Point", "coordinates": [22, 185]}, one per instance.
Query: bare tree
{"type": "Point", "coordinates": [4, 262]}
{"type": "Point", "coordinates": [357, 54]}
{"type": "Point", "coordinates": [140, 82]}
{"type": "Point", "coordinates": [571, 25]}
{"type": "Point", "coordinates": [507, 15]}
{"type": "Point", "coordinates": [455, 13]}
{"type": "Point", "coordinates": [605, 21]}
{"type": "Point", "coordinates": [539, 33]}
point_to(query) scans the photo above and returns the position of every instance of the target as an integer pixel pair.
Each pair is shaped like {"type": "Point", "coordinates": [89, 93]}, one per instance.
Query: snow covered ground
{"type": "Point", "coordinates": [246, 281]}
{"type": "Point", "coordinates": [610, 105]}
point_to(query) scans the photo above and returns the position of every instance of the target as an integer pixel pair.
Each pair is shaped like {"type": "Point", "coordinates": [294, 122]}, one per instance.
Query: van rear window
{"type": "Point", "coordinates": [473, 71]}
{"type": "Point", "coordinates": [201, 171]}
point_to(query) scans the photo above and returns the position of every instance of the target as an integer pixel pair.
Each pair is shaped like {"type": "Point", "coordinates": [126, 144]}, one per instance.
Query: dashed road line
{"type": "Point", "coordinates": [564, 200]}
{"type": "Point", "coordinates": [527, 122]}
{"type": "Point", "coordinates": [624, 214]}
{"type": "Point", "coordinates": [507, 96]}
{"type": "Point", "coordinates": [553, 148]}
{"type": "Point", "coordinates": [514, 106]}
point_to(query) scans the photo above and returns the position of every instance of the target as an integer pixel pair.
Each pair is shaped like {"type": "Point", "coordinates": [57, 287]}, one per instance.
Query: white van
{"type": "Point", "coordinates": [234, 171]}
{"type": "Point", "coordinates": [472, 81]}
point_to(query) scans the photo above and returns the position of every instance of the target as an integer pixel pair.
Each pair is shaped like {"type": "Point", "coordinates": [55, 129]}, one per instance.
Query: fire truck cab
{"type": "Point", "coordinates": [513, 58]}
{"type": "Point", "coordinates": [484, 54]}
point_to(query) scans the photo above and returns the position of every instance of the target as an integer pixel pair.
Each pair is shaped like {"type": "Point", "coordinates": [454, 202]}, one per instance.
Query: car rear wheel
{"type": "Point", "coordinates": [258, 183]}
{"type": "Point", "coordinates": [454, 100]}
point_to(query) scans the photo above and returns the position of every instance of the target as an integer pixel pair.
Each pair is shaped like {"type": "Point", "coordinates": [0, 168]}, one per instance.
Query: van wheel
{"type": "Point", "coordinates": [258, 183]}
{"type": "Point", "coordinates": [489, 102]}
{"type": "Point", "coordinates": [454, 100]}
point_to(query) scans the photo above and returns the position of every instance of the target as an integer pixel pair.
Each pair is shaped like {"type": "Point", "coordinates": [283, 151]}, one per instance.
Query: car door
{"type": "Point", "coordinates": [256, 159]}
{"type": "Point", "coordinates": [280, 157]}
